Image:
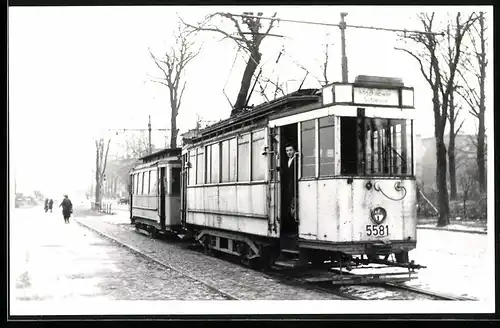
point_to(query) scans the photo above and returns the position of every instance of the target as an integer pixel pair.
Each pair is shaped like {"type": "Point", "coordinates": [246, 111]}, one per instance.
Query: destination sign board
{"type": "Point", "coordinates": [375, 96]}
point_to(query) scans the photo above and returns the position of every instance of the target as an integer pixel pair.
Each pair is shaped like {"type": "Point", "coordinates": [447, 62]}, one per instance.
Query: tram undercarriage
{"type": "Point", "coordinates": [347, 264]}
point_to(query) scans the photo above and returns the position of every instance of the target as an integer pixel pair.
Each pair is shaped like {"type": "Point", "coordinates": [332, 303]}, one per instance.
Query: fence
{"type": "Point", "coordinates": [101, 207]}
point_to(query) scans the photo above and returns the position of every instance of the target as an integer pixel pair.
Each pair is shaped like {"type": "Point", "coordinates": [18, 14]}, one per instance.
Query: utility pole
{"type": "Point", "coordinates": [342, 25]}
{"type": "Point", "coordinates": [149, 129]}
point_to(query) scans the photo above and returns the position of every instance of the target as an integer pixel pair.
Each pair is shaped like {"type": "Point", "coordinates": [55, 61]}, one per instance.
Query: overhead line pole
{"type": "Point", "coordinates": [342, 25]}
{"type": "Point", "coordinates": [150, 145]}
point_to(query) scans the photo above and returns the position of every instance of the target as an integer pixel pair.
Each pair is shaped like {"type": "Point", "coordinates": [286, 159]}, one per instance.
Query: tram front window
{"type": "Point", "coordinates": [388, 147]}
{"type": "Point", "coordinates": [376, 146]}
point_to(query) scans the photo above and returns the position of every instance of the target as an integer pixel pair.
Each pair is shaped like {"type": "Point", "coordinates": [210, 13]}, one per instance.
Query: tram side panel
{"type": "Point", "coordinates": [238, 208]}
{"type": "Point", "coordinates": [145, 198]}
{"type": "Point", "coordinates": [173, 197]}
{"type": "Point", "coordinates": [338, 211]}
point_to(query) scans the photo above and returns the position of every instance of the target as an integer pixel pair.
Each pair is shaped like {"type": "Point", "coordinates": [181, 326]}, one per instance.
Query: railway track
{"type": "Point", "coordinates": [299, 278]}
{"type": "Point", "coordinates": [306, 280]}
{"type": "Point", "coordinates": [438, 296]}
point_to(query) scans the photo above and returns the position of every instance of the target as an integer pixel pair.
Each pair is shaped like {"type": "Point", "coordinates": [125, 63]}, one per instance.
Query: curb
{"type": "Point", "coordinates": [135, 250]}
{"type": "Point", "coordinates": [453, 230]}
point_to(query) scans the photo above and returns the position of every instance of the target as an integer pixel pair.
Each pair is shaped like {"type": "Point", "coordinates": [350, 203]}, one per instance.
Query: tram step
{"type": "Point", "coordinates": [290, 251]}
{"type": "Point", "coordinates": [288, 263]}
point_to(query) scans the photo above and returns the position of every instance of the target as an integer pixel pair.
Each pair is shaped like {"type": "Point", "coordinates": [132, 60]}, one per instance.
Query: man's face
{"type": "Point", "coordinates": [289, 151]}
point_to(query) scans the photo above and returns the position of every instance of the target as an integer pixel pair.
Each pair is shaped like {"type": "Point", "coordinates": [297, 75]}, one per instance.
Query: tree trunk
{"type": "Point", "coordinates": [481, 162]}
{"type": "Point", "coordinates": [439, 124]}
{"type": "Point", "coordinates": [173, 127]}
{"type": "Point", "coordinates": [451, 151]}
{"type": "Point", "coordinates": [246, 82]}
{"type": "Point", "coordinates": [444, 206]}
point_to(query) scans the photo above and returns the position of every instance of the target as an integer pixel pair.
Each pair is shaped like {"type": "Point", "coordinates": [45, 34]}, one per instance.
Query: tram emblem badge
{"type": "Point", "coordinates": [378, 215]}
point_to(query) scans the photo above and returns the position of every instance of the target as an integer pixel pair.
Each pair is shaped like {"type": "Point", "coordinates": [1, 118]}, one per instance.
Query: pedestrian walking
{"type": "Point", "coordinates": [51, 202]}
{"type": "Point", "coordinates": [67, 208]}
{"type": "Point", "coordinates": [46, 207]}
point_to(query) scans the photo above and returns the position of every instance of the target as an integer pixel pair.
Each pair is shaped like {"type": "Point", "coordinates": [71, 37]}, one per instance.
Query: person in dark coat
{"type": "Point", "coordinates": [289, 179]}
{"type": "Point", "coordinates": [67, 208]}
{"type": "Point", "coordinates": [46, 207]}
{"type": "Point", "coordinates": [51, 202]}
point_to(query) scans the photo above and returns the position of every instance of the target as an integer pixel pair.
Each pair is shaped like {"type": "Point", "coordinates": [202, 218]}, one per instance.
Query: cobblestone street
{"type": "Point", "coordinates": [243, 283]}
{"type": "Point", "coordinates": [57, 261]}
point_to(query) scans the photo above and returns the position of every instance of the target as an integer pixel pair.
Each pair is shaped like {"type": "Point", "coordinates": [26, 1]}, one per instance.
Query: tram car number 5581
{"type": "Point", "coordinates": [377, 230]}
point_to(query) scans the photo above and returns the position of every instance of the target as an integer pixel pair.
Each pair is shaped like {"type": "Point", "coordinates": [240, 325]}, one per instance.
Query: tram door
{"type": "Point", "coordinates": [162, 184]}
{"type": "Point", "coordinates": [289, 162]}
{"type": "Point", "coordinates": [184, 177]}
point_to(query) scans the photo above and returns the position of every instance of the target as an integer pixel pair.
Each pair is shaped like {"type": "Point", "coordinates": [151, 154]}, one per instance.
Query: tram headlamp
{"type": "Point", "coordinates": [407, 99]}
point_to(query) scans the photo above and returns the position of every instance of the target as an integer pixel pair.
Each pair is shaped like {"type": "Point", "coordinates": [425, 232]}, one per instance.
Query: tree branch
{"type": "Point", "coordinates": [428, 78]}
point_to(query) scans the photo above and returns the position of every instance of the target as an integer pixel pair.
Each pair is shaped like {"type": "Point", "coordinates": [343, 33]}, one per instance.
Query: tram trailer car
{"type": "Point", "coordinates": [155, 193]}
{"type": "Point", "coordinates": [356, 191]}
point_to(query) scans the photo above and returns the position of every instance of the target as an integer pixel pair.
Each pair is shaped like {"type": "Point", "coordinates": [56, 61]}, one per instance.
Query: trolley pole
{"type": "Point", "coordinates": [342, 26]}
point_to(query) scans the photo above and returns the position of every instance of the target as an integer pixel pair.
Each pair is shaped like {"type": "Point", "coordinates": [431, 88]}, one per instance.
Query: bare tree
{"type": "Point", "coordinates": [476, 100]}
{"type": "Point", "coordinates": [249, 37]}
{"type": "Point", "coordinates": [101, 159]}
{"type": "Point", "coordinates": [277, 87]}
{"type": "Point", "coordinates": [454, 110]}
{"type": "Point", "coordinates": [468, 183]}
{"type": "Point", "coordinates": [326, 59]}
{"type": "Point", "coordinates": [136, 146]}
{"type": "Point", "coordinates": [173, 65]}
{"type": "Point", "coordinates": [428, 54]}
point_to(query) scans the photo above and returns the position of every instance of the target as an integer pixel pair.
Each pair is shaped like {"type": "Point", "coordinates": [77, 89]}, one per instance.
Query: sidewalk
{"type": "Point", "coordinates": [478, 227]}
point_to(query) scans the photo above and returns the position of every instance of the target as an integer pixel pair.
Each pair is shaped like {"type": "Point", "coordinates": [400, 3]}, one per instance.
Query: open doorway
{"type": "Point", "coordinates": [289, 163]}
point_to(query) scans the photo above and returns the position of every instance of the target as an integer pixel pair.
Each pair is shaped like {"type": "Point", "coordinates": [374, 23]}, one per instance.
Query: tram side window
{"type": "Point", "coordinates": [326, 146]}
{"type": "Point", "coordinates": [176, 181]}
{"type": "Point", "coordinates": [136, 184]}
{"type": "Point", "coordinates": [224, 163]}
{"type": "Point", "coordinates": [192, 170]}
{"type": "Point", "coordinates": [349, 145]}
{"type": "Point", "coordinates": [258, 160]}
{"type": "Point", "coordinates": [153, 182]}
{"type": "Point", "coordinates": [308, 148]}
{"type": "Point", "coordinates": [200, 175]}
{"type": "Point", "coordinates": [213, 163]}
{"type": "Point", "coordinates": [200, 166]}
{"type": "Point", "coordinates": [228, 160]}
{"type": "Point", "coordinates": [146, 183]}
{"type": "Point", "coordinates": [233, 160]}
{"type": "Point", "coordinates": [139, 189]}
{"type": "Point", "coordinates": [243, 157]}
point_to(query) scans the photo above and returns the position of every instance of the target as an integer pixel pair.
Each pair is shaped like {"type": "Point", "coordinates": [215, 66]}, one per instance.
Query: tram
{"type": "Point", "coordinates": [155, 192]}
{"type": "Point", "coordinates": [354, 196]}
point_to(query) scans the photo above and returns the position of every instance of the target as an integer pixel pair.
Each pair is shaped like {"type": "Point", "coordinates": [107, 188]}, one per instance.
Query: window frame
{"type": "Point", "coordinates": [248, 159]}
{"type": "Point", "coordinates": [255, 155]}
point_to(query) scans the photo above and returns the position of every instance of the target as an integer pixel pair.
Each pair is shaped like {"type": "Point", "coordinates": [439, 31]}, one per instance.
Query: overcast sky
{"type": "Point", "coordinates": [75, 72]}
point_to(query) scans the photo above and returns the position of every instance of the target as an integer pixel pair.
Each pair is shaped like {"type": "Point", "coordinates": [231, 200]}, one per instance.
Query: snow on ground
{"type": "Point", "coordinates": [457, 263]}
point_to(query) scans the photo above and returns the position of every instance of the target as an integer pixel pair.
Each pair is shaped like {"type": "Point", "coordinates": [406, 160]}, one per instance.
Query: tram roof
{"type": "Point", "coordinates": [302, 96]}
{"type": "Point", "coordinates": [167, 152]}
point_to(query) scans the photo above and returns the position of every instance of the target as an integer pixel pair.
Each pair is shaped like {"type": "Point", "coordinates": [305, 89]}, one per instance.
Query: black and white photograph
{"type": "Point", "coordinates": [250, 160]}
